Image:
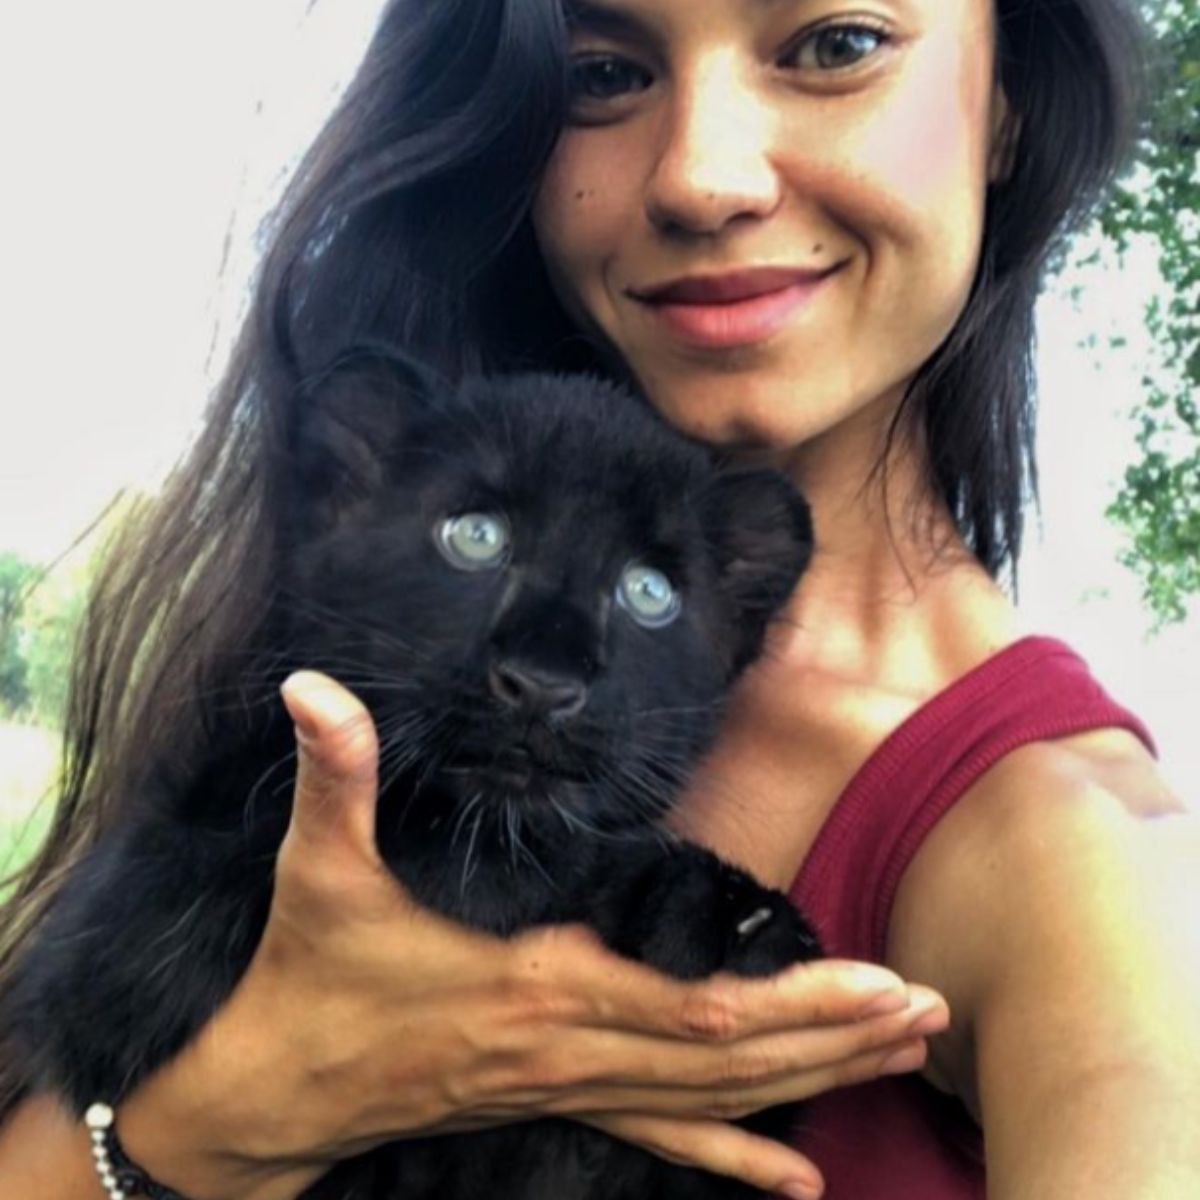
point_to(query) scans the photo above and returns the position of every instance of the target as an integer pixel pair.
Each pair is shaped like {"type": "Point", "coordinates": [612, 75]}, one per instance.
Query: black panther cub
{"type": "Point", "coordinates": [543, 595]}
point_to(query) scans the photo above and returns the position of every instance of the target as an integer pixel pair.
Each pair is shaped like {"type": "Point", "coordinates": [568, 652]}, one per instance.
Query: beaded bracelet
{"type": "Point", "coordinates": [120, 1175]}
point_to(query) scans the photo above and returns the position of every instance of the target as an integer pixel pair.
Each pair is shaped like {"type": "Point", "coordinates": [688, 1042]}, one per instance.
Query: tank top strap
{"type": "Point", "coordinates": [1036, 689]}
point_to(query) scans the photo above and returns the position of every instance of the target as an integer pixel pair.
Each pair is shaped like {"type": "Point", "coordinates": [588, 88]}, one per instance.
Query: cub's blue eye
{"type": "Point", "coordinates": [648, 596]}
{"type": "Point", "coordinates": [474, 541]}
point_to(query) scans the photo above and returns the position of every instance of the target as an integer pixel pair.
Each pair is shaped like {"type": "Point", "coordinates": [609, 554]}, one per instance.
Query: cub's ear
{"type": "Point", "coordinates": [761, 532]}
{"type": "Point", "coordinates": [349, 421]}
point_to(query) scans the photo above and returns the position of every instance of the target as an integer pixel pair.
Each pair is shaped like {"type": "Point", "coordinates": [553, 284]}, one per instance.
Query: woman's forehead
{"type": "Point", "coordinates": [617, 16]}
{"type": "Point", "coordinates": [662, 25]}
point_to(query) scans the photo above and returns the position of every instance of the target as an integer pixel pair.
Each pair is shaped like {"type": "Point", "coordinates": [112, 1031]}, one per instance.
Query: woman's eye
{"type": "Point", "coordinates": [648, 596]}
{"type": "Point", "coordinates": [837, 47]}
{"type": "Point", "coordinates": [474, 541]}
{"type": "Point", "coordinates": [605, 76]}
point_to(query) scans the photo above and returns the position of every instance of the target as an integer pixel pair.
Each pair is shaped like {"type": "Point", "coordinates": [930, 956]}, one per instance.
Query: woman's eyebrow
{"type": "Point", "coordinates": [613, 19]}
{"type": "Point", "coordinates": [601, 18]}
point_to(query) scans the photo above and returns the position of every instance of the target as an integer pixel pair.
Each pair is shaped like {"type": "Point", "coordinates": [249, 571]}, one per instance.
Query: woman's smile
{"type": "Point", "coordinates": [722, 142]}
{"type": "Point", "coordinates": [737, 309]}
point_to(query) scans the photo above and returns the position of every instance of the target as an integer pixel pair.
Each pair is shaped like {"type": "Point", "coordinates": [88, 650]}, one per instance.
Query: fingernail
{"type": "Point", "coordinates": [295, 701]}
{"type": "Point", "coordinates": [868, 979]}
{"type": "Point", "coordinates": [902, 1061]}
{"type": "Point", "coordinates": [885, 1004]}
{"type": "Point", "coordinates": [882, 992]}
{"type": "Point", "coordinates": [928, 1016]}
{"type": "Point", "coordinates": [798, 1190]}
{"type": "Point", "coordinates": [929, 1024]}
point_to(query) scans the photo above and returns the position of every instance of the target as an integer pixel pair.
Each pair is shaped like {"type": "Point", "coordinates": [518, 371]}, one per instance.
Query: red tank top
{"type": "Point", "coordinates": [899, 1138]}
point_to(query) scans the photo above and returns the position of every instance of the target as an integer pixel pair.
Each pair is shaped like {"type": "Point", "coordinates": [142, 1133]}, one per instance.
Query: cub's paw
{"type": "Point", "coordinates": [763, 931]}
{"type": "Point", "coordinates": [689, 914]}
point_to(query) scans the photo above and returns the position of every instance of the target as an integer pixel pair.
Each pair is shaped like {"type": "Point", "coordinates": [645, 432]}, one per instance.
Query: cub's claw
{"type": "Point", "coordinates": [754, 922]}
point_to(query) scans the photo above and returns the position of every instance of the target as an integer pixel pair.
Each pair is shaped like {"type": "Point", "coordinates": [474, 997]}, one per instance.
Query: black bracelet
{"type": "Point", "coordinates": [120, 1175]}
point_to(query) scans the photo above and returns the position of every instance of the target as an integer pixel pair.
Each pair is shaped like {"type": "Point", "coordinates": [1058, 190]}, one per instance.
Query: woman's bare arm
{"type": "Point", "coordinates": [1073, 959]}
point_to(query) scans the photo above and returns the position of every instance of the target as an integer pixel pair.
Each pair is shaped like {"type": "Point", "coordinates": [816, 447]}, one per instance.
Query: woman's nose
{"type": "Point", "coordinates": [715, 156]}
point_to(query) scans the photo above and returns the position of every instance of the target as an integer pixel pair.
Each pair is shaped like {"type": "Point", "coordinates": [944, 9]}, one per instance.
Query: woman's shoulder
{"type": "Point", "coordinates": [1054, 805]}
{"type": "Point", "coordinates": [1066, 872]}
{"type": "Point", "coordinates": [1083, 776]}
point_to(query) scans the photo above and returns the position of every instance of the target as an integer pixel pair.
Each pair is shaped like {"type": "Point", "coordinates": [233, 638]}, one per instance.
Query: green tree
{"type": "Point", "coordinates": [40, 608]}
{"type": "Point", "coordinates": [1158, 504]}
{"type": "Point", "coordinates": [17, 579]}
{"type": "Point", "coordinates": [49, 636]}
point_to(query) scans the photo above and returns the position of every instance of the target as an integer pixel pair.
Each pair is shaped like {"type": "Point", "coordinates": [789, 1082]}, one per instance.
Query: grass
{"type": "Point", "coordinates": [28, 761]}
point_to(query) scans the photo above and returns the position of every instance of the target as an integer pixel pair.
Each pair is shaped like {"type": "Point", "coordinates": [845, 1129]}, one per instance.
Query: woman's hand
{"type": "Point", "coordinates": [364, 1018]}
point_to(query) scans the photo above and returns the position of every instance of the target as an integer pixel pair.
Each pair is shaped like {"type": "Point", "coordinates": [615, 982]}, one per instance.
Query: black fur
{"type": "Point", "coordinates": [533, 734]}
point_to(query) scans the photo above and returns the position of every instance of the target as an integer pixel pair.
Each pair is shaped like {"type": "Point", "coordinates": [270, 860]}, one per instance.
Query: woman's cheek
{"type": "Point", "coordinates": [929, 157]}
{"type": "Point", "coordinates": [577, 218]}
{"type": "Point", "coordinates": [591, 224]}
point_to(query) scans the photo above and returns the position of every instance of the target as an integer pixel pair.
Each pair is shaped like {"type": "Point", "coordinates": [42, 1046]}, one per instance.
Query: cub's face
{"type": "Point", "coordinates": [541, 591]}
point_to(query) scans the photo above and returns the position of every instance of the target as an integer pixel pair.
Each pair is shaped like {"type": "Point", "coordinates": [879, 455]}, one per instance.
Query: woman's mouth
{"type": "Point", "coordinates": [731, 310]}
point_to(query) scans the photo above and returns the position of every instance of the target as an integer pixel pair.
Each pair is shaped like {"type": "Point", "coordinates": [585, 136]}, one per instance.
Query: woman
{"type": "Point", "coordinates": [813, 235]}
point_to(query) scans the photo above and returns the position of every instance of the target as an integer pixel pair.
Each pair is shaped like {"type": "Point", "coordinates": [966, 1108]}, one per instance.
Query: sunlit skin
{"type": "Point", "coordinates": [857, 138]}
{"type": "Point", "coordinates": [721, 139]}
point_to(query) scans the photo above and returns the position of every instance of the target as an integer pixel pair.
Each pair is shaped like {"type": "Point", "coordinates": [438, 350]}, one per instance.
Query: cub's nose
{"type": "Point", "coordinates": [535, 691]}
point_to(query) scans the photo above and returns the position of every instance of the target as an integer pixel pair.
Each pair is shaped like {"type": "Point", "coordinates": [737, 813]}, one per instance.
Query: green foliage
{"type": "Point", "coordinates": [28, 767]}
{"type": "Point", "coordinates": [39, 610]}
{"type": "Point", "coordinates": [1158, 504]}
{"type": "Point", "coordinates": [17, 578]}
{"type": "Point", "coordinates": [50, 625]}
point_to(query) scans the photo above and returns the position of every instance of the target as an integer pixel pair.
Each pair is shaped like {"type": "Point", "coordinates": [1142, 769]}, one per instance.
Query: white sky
{"type": "Point", "coordinates": [138, 135]}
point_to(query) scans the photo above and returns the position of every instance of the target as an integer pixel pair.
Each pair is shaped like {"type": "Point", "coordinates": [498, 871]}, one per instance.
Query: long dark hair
{"type": "Point", "coordinates": [1073, 73]}
{"type": "Point", "coordinates": [408, 220]}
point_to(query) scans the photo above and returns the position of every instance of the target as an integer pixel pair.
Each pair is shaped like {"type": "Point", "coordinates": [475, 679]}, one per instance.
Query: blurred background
{"type": "Point", "coordinates": [144, 140]}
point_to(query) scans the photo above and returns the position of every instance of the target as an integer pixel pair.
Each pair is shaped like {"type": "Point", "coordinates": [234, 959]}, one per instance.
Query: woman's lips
{"type": "Point", "coordinates": [740, 322]}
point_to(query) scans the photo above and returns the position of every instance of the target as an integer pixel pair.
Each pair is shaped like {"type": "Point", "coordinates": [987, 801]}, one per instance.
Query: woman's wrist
{"type": "Point", "coordinates": [201, 1126]}
{"type": "Point", "coordinates": [189, 1148]}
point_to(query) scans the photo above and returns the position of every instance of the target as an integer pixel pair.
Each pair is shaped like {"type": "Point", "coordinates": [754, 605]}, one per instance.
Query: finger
{"type": "Point", "coordinates": [729, 1104]}
{"type": "Point", "coordinates": [722, 1149]}
{"type": "Point", "coordinates": [610, 1057]}
{"type": "Point", "coordinates": [337, 759]}
{"type": "Point", "coordinates": [624, 995]}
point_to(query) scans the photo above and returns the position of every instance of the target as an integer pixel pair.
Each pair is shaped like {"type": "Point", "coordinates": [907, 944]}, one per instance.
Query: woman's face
{"type": "Point", "coordinates": [804, 178]}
